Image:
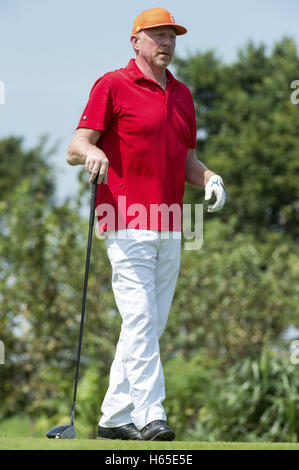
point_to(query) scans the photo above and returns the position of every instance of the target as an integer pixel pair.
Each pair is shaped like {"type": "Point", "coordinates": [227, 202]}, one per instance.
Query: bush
{"type": "Point", "coordinates": [187, 385]}
{"type": "Point", "coordinates": [257, 400]}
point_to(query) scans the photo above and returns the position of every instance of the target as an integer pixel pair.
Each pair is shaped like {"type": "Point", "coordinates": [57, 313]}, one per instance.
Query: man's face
{"type": "Point", "coordinates": [157, 45]}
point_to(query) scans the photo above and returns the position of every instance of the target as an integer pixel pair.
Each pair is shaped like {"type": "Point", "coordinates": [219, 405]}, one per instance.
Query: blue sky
{"type": "Point", "coordinates": [51, 53]}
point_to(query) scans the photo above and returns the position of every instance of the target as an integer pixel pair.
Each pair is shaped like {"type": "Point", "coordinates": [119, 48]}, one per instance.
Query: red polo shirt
{"type": "Point", "coordinates": [146, 134]}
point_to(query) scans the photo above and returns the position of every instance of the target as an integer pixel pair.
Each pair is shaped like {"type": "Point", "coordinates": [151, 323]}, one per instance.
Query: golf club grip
{"type": "Point", "coordinates": [91, 223]}
{"type": "Point", "coordinates": [93, 200]}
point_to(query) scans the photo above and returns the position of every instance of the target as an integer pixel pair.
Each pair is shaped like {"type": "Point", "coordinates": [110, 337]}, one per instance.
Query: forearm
{"type": "Point", "coordinates": [196, 172]}
{"type": "Point", "coordinates": [83, 151]}
{"type": "Point", "coordinates": [78, 150]}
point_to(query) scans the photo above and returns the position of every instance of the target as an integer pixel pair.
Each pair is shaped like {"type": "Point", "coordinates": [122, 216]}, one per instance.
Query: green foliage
{"type": "Point", "coordinates": [256, 400]}
{"type": "Point", "coordinates": [43, 249]}
{"type": "Point", "coordinates": [233, 295]}
{"type": "Point", "coordinates": [91, 393]}
{"type": "Point", "coordinates": [187, 385]}
{"type": "Point", "coordinates": [251, 133]}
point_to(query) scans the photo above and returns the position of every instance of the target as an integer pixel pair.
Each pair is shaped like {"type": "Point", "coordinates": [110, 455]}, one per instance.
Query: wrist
{"type": "Point", "coordinates": [207, 176]}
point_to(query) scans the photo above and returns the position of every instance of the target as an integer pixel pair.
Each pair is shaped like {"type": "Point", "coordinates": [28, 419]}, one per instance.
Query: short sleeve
{"type": "Point", "coordinates": [98, 111]}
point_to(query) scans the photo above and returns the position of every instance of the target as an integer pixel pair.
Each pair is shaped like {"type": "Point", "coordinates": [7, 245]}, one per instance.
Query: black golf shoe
{"type": "Point", "coordinates": [157, 431]}
{"type": "Point", "coordinates": [128, 432]}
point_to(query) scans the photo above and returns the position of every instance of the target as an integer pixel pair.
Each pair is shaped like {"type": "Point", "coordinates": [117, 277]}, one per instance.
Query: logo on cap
{"type": "Point", "coordinates": [172, 18]}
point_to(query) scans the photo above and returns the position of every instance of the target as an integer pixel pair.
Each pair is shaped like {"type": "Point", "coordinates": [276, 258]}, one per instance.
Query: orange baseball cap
{"type": "Point", "coordinates": [155, 17]}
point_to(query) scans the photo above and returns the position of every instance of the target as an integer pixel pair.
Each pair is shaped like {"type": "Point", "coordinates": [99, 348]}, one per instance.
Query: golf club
{"type": "Point", "coordinates": [68, 431]}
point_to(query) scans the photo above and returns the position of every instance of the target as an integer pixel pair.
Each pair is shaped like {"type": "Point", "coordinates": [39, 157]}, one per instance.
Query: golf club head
{"type": "Point", "coordinates": [67, 431]}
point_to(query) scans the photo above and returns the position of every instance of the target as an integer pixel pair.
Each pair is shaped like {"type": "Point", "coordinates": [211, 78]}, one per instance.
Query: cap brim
{"type": "Point", "coordinates": [179, 29]}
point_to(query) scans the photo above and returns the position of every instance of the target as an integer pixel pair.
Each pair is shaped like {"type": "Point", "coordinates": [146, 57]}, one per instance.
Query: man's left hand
{"type": "Point", "coordinates": [215, 186]}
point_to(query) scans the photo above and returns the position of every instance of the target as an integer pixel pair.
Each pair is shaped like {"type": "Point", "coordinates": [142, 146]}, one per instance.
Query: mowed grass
{"type": "Point", "coordinates": [22, 443]}
{"type": "Point", "coordinates": [15, 432]}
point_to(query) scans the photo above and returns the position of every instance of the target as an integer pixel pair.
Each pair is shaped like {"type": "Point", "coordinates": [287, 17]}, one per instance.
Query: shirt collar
{"type": "Point", "coordinates": [135, 73]}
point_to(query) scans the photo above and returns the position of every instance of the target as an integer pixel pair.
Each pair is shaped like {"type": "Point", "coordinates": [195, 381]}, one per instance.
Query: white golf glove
{"type": "Point", "coordinates": [215, 185]}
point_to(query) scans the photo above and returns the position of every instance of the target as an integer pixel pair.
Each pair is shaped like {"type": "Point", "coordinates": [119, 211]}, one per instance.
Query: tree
{"type": "Point", "coordinates": [249, 133]}
{"type": "Point", "coordinates": [43, 249]}
{"type": "Point", "coordinates": [240, 289]}
{"type": "Point", "coordinates": [233, 295]}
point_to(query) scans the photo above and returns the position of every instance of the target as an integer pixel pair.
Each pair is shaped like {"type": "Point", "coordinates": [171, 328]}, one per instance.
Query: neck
{"type": "Point", "coordinates": [157, 74]}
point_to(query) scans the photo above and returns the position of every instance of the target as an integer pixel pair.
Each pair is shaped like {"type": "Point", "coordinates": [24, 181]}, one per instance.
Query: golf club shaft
{"type": "Point", "coordinates": [91, 223]}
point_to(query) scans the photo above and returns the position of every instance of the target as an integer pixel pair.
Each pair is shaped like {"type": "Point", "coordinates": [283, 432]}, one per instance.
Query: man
{"type": "Point", "coordinates": [140, 121]}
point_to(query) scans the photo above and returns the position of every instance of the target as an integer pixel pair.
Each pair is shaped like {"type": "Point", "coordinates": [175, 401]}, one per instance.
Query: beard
{"type": "Point", "coordinates": [162, 60]}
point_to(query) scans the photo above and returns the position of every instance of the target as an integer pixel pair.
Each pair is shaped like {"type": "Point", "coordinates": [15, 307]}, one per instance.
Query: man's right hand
{"type": "Point", "coordinates": [83, 151]}
{"type": "Point", "coordinates": [97, 163]}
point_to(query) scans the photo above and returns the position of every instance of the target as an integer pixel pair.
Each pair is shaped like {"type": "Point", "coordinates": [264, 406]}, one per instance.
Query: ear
{"type": "Point", "coordinates": [135, 42]}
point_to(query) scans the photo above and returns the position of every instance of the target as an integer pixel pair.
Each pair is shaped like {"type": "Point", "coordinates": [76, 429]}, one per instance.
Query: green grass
{"type": "Point", "coordinates": [21, 443]}
{"type": "Point", "coordinates": [15, 432]}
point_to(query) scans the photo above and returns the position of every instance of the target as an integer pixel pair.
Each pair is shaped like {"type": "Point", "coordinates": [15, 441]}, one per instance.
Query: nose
{"type": "Point", "coordinates": [168, 42]}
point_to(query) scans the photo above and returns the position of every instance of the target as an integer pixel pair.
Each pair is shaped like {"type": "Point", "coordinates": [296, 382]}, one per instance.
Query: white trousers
{"type": "Point", "coordinates": [145, 268]}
